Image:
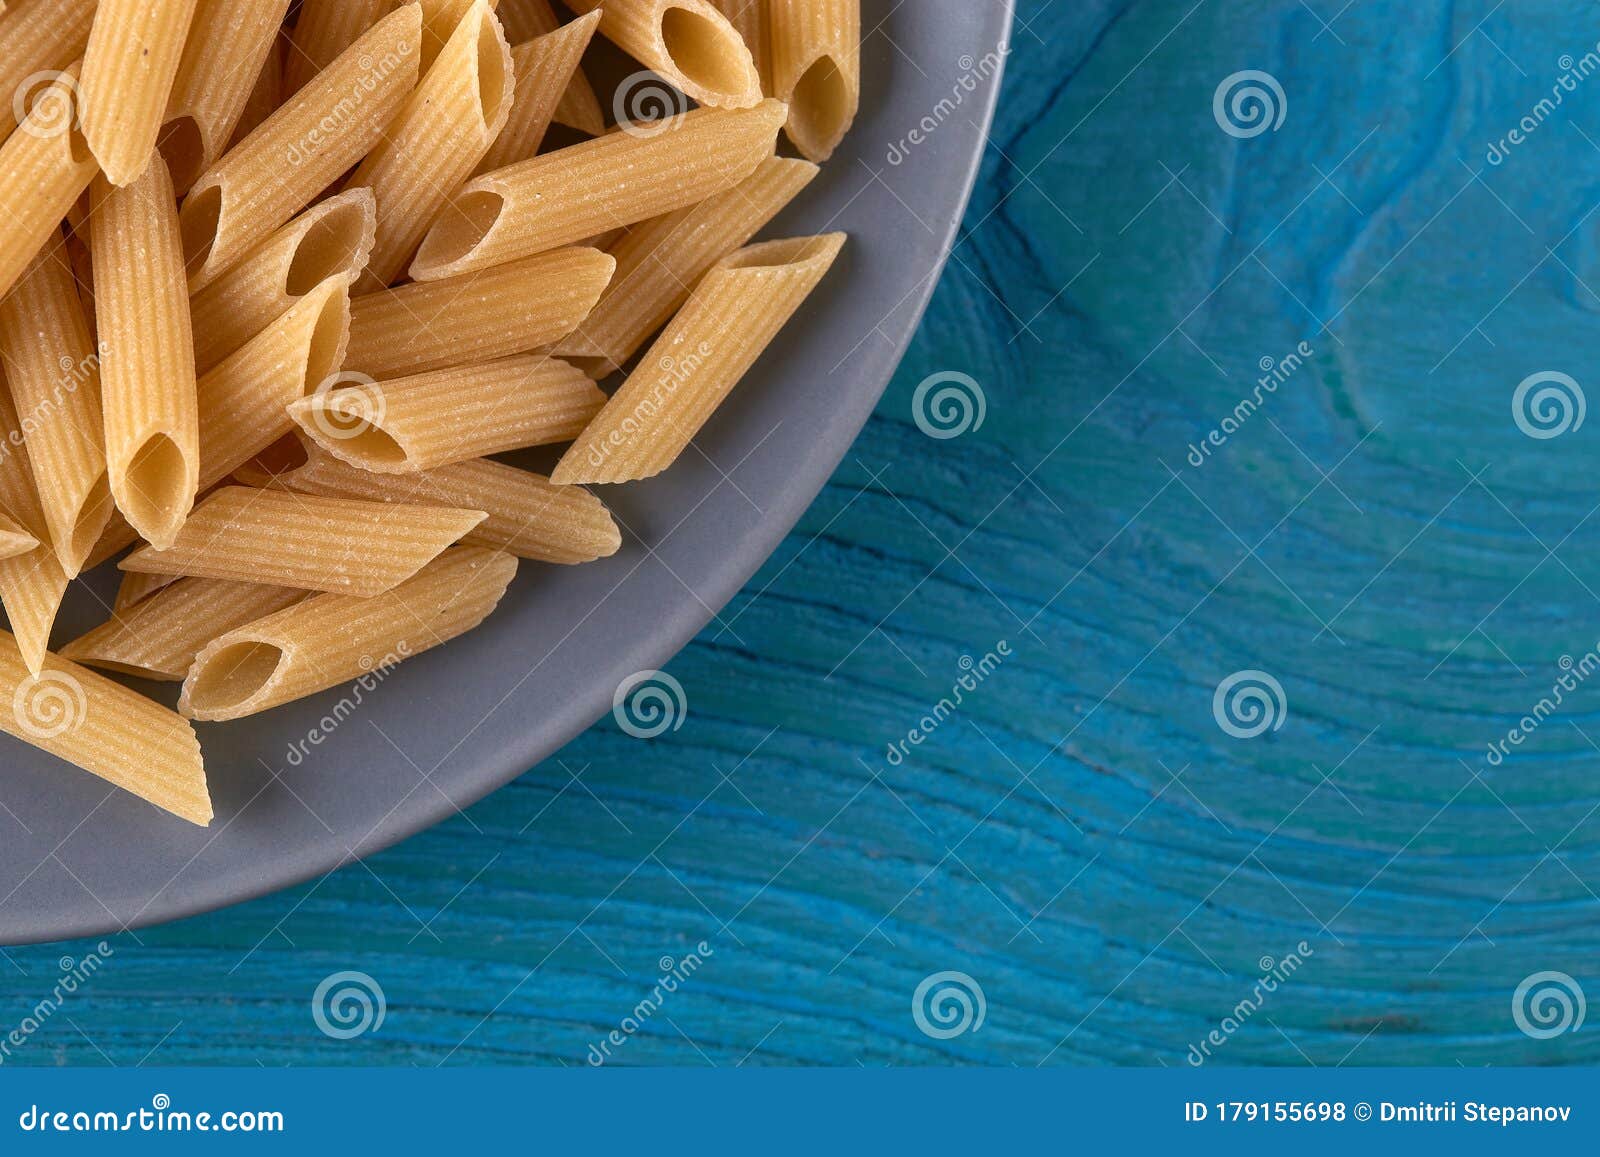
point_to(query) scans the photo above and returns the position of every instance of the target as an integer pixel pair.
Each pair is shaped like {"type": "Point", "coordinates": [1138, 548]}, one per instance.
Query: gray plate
{"type": "Point", "coordinates": [77, 859]}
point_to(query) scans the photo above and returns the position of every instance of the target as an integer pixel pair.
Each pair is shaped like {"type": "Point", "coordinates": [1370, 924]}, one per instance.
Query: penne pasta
{"type": "Point", "coordinates": [729, 320]}
{"type": "Point", "coordinates": [326, 127]}
{"type": "Point", "coordinates": [14, 538]}
{"type": "Point", "coordinates": [330, 639]}
{"type": "Point", "coordinates": [159, 636]}
{"type": "Point", "coordinates": [54, 372]}
{"type": "Point", "coordinates": [31, 584]}
{"type": "Point", "coordinates": [437, 140]}
{"type": "Point", "coordinates": [750, 18]}
{"type": "Point", "coordinates": [478, 317]}
{"type": "Point", "coordinates": [129, 68]}
{"type": "Point", "coordinates": [330, 239]}
{"type": "Point", "coordinates": [440, 20]}
{"type": "Point", "coordinates": [578, 108]}
{"type": "Point", "coordinates": [229, 40]}
{"type": "Point", "coordinates": [37, 38]}
{"type": "Point", "coordinates": [44, 166]}
{"type": "Point", "coordinates": [297, 540]}
{"type": "Point", "coordinates": [323, 30]}
{"type": "Point", "coordinates": [576, 192]}
{"type": "Point", "coordinates": [689, 42]}
{"type": "Point", "coordinates": [135, 588]}
{"type": "Point", "coordinates": [544, 68]}
{"type": "Point", "coordinates": [267, 94]}
{"type": "Point", "coordinates": [433, 419]}
{"type": "Point", "coordinates": [147, 381]}
{"type": "Point", "coordinates": [105, 729]}
{"type": "Point", "coordinates": [660, 261]}
{"type": "Point", "coordinates": [816, 69]}
{"type": "Point", "coordinates": [528, 515]}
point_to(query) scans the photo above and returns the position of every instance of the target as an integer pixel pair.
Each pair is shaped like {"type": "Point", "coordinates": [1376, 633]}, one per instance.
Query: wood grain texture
{"type": "Point", "coordinates": [1378, 536]}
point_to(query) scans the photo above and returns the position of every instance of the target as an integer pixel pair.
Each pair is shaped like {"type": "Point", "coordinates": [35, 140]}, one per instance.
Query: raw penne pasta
{"type": "Point", "coordinates": [106, 729]}
{"type": "Point", "coordinates": [54, 372]}
{"type": "Point", "coordinates": [82, 265]}
{"type": "Point", "coordinates": [578, 107]}
{"type": "Point", "coordinates": [816, 69]}
{"type": "Point", "coordinates": [267, 94]}
{"type": "Point", "coordinates": [332, 238]}
{"type": "Point", "coordinates": [575, 192]}
{"type": "Point", "coordinates": [750, 18]}
{"type": "Point", "coordinates": [244, 400]}
{"type": "Point", "coordinates": [330, 639]}
{"type": "Point", "coordinates": [135, 588]}
{"type": "Point", "coordinates": [323, 30]}
{"type": "Point", "coordinates": [529, 516]}
{"type": "Point", "coordinates": [477, 317]}
{"type": "Point", "coordinates": [437, 140]}
{"type": "Point", "coordinates": [31, 584]}
{"type": "Point", "coordinates": [417, 423]}
{"type": "Point", "coordinates": [299, 540]}
{"type": "Point", "coordinates": [14, 538]}
{"type": "Point", "coordinates": [544, 68]}
{"type": "Point", "coordinates": [159, 636]}
{"type": "Point", "coordinates": [128, 71]}
{"type": "Point", "coordinates": [660, 261]}
{"type": "Point", "coordinates": [687, 41]}
{"type": "Point", "coordinates": [147, 380]}
{"type": "Point", "coordinates": [44, 166]}
{"type": "Point", "coordinates": [38, 37]}
{"type": "Point", "coordinates": [229, 40]}
{"type": "Point", "coordinates": [440, 20]}
{"type": "Point", "coordinates": [298, 151]}
{"type": "Point", "coordinates": [730, 319]}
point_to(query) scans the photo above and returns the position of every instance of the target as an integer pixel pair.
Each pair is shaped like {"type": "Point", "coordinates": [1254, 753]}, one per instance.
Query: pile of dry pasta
{"type": "Point", "coordinates": [279, 279]}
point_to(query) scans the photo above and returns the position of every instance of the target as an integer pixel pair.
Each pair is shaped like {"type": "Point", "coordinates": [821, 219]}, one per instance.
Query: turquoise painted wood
{"type": "Point", "coordinates": [1081, 836]}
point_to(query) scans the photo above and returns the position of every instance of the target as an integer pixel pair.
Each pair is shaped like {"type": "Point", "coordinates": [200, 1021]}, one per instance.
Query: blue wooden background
{"type": "Point", "coordinates": [1082, 838]}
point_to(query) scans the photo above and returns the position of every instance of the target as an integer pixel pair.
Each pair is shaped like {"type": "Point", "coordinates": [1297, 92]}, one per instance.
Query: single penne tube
{"type": "Point", "coordinates": [159, 636]}
{"type": "Point", "coordinates": [816, 69]}
{"type": "Point", "coordinates": [659, 261]}
{"type": "Point", "coordinates": [14, 538]}
{"type": "Point", "coordinates": [31, 584]}
{"type": "Point", "coordinates": [750, 18]}
{"type": "Point", "coordinates": [44, 166]}
{"type": "Point", "coordinates": [322, 31]}
{"type": "Point", "coordinates": [578, 107]}
{"type": "Point", "coordinates": [332, 238]}
{"type": "Point", "coordinates": [104, 728]}
{"type": "Point", "coordinates": [528, 515]}
{"type": "Point", "coordinates": [129, 67]}
{"type": "Point", "coordinates": [37, 38]}
{"type": "Point", "coordinates": [437, 140]}
{"type": "Point", "coordinates": [135, 588]}
{"type": "Point", "coordinates": [405, 425]}
{"type": "Point", "coordinates": [54, 371]}
{"type": "Point", "coordinates": [729, 320]}
{"type": "Point", "coordinates": [331, 639]}
{"type": "Point", "coordinates": [440, 20]}
{"type": "Point", "coordinates": [576, 192]}
{"type": "Point", "coordinates": [229, 40]}
{"type": "Point", "coordinates": [477, 317]}
{"type": "Point", "coordinates": [311, 543]}
{"type": "Point", "coordinates": [147, 380]}
{"type": "Point", "coordinates": [267, 94]}
{"type": "Point", "coordinates": [544, 68]}
{"type": "Point", "coordinates": [244, 400]}
{"type": "Point", "coordinates": [300, 150]}
{"type": "Point", "coordinates": [689, 42]}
